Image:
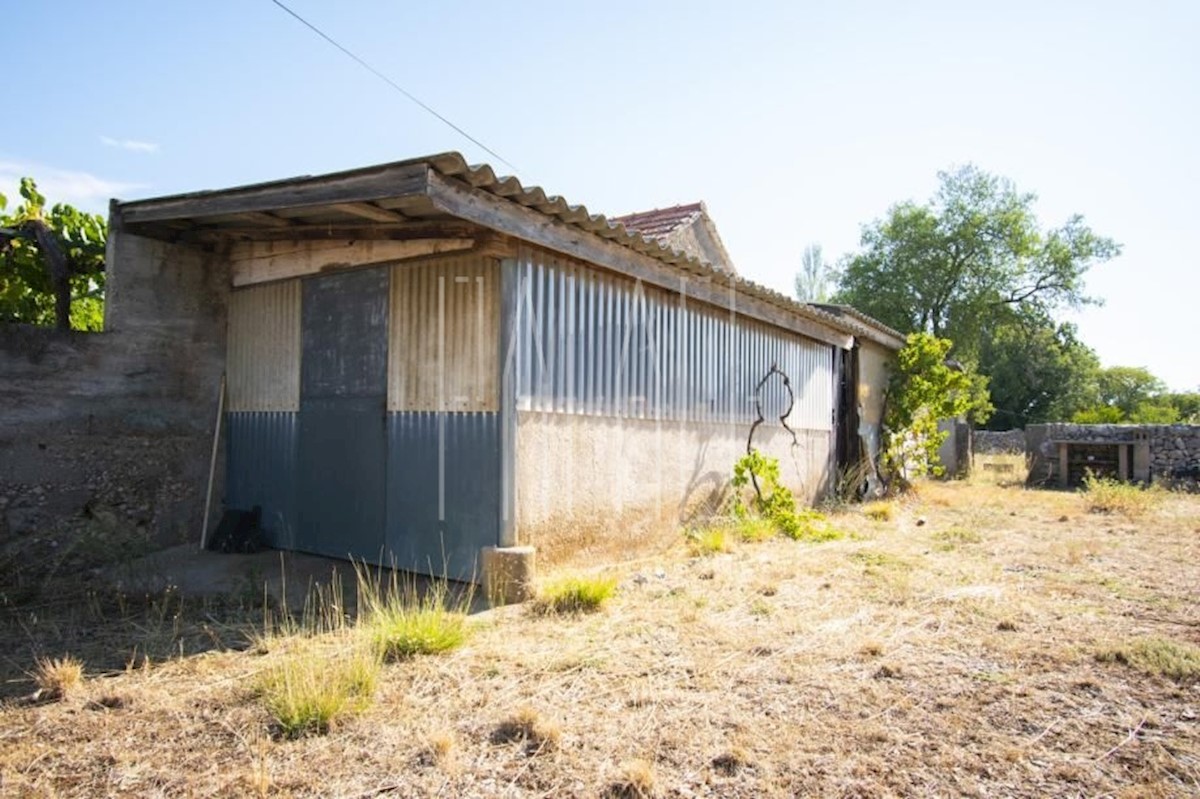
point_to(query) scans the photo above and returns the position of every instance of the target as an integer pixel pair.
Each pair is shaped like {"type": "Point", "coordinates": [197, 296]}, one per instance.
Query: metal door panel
{"type": "Point", "coordinates": [343, 391]}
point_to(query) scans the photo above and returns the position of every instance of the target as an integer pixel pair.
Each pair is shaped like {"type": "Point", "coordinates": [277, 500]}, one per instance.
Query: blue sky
{"type": "Point", "coordinates": [795, 122]}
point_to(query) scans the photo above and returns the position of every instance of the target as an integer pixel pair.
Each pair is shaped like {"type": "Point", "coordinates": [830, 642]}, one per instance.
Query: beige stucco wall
{"type": "Point", "coordinates": [874, 364]}
{"type": "Point", "coordinates": [590, 485]}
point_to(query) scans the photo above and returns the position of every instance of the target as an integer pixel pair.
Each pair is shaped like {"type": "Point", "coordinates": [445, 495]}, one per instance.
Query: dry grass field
{"type": "Point", "coordinates": [970, 639]}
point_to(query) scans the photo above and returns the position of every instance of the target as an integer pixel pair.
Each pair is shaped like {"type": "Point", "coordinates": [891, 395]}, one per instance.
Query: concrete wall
{"type": "Point", "coordinates": [587, 485]}
{"type": "Point", "coordinates": [116, 425]}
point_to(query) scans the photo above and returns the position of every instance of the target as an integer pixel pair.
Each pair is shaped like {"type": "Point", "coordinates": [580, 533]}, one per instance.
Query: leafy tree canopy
{"type": "Point", "coordinates": [1039, 371]}
{"type": "Point", "coordinates": [967, 260]}
{"type": "Point", "coordinates": [1132, 394]}
{"type": "Point", "coordinates": [51, 263]}
{"type": "Point", "coordinates": [924, 388]}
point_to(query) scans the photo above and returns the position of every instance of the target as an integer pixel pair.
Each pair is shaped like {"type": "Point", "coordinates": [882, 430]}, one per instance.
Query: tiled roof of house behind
{"type": "Point", "coordinates": [661, 222]}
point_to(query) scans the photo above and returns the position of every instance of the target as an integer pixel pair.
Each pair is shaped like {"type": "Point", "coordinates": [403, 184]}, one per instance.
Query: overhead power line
{"type": "Point", "coordinates": [397, 87]}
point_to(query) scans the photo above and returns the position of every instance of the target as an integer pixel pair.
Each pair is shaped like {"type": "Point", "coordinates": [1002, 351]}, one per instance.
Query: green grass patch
{"type": "Point", "coordinates": [308, 692]}
{"type": "Point", "coordinates": [879, 511]}
{"type": "Point", "coordinates": [1159, 656]}
{"type": "Point", "coordinates": [574, 594]}
{"type": "Point", "coordinates": [708, 541]}
{"type": "Point", "coordinates": [873, 561]}
{"type": "Point", "coordinates": [953, 537]}
{"type": "Point", "coordinates": [808, 525]}
{"type": "Point", "coordinates": [401, 621]}
{"type": "Point", "coordinates": [1106, 495]}
{"type": "Point", "coordinates": [755, 529]}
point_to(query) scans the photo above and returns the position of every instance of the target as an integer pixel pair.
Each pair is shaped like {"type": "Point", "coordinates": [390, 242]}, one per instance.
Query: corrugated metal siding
{"type": "Point", "coordinates": [595, 343]}
{"type": "Point", "coordinates": [261, 456]}
{"type": "Point", "coordinates": [263, 359]}
{"type": "Point", "coordinates": [445, 321]}
{"type": "Point", "coordinates": [443, 488]}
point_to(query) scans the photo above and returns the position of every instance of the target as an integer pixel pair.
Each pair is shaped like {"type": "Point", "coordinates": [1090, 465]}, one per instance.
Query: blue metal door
{"type": "Point", "coordinates": [343, 397]}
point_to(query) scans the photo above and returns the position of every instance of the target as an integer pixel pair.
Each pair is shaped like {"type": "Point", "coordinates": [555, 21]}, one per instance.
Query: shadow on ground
{"type": "Point", "coordinates": [176, 603]}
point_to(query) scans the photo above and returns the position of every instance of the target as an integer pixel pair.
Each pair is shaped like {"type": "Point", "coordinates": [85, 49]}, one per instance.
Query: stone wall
{"type": "Point", "coordinates": [111, 433]}
{"type": "Point", "coordinates": [1171, 449]}
{"type": "Point", "coordinates": [998, 442]}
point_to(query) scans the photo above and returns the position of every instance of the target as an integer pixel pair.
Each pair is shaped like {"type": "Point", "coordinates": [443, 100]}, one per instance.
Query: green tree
{"type": "Point", "coordinates": [963, 262]}
{"type": "Point", "coordinates": [1133, 394]}
{"type": "Point", "coordinates": [51, 263]}
{"type": "Point", "coordinates": [924, 388]}
{"type": "Point", "coordinates": [812, 281]}
{"type": "Point", "coordinates": [1187, 404]}
{"type": "Point", "coordinates": [1038, 370]}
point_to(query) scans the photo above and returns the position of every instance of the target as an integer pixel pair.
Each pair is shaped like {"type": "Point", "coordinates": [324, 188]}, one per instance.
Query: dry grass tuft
{"type": "Point", "coordinates": [57, 677]}
{"type": "Point", "coordinates": [574, 594]}
{"type": "Point", "coordinates": [1158, 656]}
{"type": "Point", "coordinates": [1105, 495]}
{"type": "Point", "coordinates": [529, 727]}
{"type": "Point", "coordinates": [637, 781]}
{"type": "Point", "coordinates": [440, 750]}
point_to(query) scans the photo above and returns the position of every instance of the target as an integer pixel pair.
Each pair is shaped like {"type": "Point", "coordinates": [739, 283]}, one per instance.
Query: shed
{"type": "Point", "coordinates": [425, 360]}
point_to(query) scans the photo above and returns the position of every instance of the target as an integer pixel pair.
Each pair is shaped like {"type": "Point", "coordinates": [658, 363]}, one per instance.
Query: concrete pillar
{"type": "Point", "coordinates": [1141, 457]}
{"type": "Point", "coordinates": [509, 574]}
{"type": "Point", "coordinates": [1123, 462]}
{"type": "Point", "coordinates": [1063, 463]}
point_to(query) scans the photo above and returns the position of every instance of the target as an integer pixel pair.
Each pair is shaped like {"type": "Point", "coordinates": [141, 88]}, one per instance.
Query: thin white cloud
{"type": "Point", "coordinates": [84, 190]}
{"type": "Point", "coordinates": [130, 144]}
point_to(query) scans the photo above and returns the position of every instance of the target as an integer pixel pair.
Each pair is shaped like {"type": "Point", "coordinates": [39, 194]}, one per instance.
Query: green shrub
{"type": "Point", "coordinates": [574, 594]}
{"type": "Point", "coordinates": [774, 501]}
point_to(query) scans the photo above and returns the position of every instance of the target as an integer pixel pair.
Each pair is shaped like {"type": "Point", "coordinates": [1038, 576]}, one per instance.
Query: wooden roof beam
{"type": "Point", "coordinates": [369, 211]}
{"type": "Point", "coordinates": [395, 180]}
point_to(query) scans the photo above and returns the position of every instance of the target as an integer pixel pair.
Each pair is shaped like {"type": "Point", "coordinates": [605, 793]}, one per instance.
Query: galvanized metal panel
{"type": "Point", "coordinates": [343, 390]}
{"type": "Point", "coordinates": [445, 321]}
{"type": "Point", "coordinates": [443, 489]}
{"type": "Point", "coordinates": [263, 349]}
{"type": "Point", "coordinates": [260, 452]}
{"type": "Point", "coordinates": [591, 342]}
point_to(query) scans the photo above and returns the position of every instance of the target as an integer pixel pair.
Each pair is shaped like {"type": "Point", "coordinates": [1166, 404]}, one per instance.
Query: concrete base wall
{"type": "Point", "coordinates": [588, 485]}
{"type": "Point", "coordinates": [112, 431]}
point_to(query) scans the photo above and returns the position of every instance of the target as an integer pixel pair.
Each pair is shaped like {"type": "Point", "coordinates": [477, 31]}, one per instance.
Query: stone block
{"type": "Point", "coordinates": [509, 574]}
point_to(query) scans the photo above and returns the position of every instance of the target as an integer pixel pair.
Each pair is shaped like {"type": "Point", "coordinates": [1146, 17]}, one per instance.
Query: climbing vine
{"type": "Point", "coordinates": [772, 500]}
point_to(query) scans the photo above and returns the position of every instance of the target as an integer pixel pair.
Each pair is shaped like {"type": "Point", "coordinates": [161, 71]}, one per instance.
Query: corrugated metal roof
{"type": "Point", "coordinates": [483, 177]}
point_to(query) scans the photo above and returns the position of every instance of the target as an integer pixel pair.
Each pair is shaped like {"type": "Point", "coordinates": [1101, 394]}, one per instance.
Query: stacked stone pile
{"type": "Point", "coordinates": [998, 442]}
